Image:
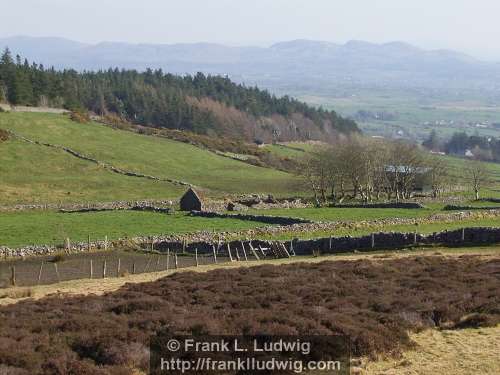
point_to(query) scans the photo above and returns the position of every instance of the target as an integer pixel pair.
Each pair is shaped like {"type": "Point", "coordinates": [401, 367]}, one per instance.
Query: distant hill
{"type": "Point", "coordinates": [301, 64]}
{"type": "Point", "coordinates": [203, 104]}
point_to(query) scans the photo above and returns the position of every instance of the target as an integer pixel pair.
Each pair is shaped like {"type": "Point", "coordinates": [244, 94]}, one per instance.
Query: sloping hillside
{"type": "Point", "coordinates": [38, 173]}
{"type": "Point", "coordinates": [212, 105]}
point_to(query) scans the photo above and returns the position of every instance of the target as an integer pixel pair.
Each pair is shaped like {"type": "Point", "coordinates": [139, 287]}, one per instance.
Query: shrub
{"type": "Point", "coordinates": [4, 135]}
{"type": "Point", "coordinates": [79, 117]}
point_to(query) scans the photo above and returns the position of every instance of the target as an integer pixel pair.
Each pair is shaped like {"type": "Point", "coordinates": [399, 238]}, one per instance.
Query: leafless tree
{"type": "Point", "coordinates": [477, 176]}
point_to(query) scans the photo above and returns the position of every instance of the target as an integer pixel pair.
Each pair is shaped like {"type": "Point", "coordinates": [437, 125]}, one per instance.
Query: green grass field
{"type": "Point", "coordinates": [50, 227]}
{"type": "Point", "coordinates": [348, 214]}
{"type": "Point", "coordinates": [35, 173]}
{"type": "Point", "coordinates": [416, 115]}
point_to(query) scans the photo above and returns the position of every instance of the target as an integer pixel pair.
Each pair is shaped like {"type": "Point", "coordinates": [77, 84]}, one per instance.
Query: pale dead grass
{"type": "Point", "coordinates": [100, 286]}
{"type": "Point", "coordinates": [461, 352]}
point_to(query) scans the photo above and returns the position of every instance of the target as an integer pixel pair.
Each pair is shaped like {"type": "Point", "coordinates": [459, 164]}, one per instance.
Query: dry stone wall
{"type": "Point", "coordinates": [100, 163]}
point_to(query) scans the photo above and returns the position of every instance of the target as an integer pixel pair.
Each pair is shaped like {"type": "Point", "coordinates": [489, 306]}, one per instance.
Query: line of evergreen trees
{"type": "Point", "coordinates": [150, 98]}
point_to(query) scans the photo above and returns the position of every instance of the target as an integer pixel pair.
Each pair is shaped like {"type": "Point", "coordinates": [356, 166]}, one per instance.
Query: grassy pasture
{"type": "Point", "coordinates": [50, 227]}
{"type": "Point", "coordinates": [34, 174]}
{"type": "Point", "coordinates": [149, 155]}
{"type": "Point", "coordinates": [355, 214]}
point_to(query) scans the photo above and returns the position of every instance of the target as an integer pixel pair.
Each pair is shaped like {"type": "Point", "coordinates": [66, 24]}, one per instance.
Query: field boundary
{"type": "Point", "coordinates": [103, 164]}
{"type": "Point", "coordinates": [160, 256]}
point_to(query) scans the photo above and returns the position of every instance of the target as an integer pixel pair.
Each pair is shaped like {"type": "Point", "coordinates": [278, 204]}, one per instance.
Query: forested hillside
{"type": "Point", "coordinates": [211, 105]}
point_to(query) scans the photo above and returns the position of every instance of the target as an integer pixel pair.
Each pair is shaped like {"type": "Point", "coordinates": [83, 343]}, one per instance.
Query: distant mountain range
{"type": "Point", "coordinates": [304, 65]}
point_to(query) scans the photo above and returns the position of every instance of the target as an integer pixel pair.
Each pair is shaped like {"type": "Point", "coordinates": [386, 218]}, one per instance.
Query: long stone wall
{"type": "Point", "coordinates": [98, 162]}
{"type": "Point", "coordinates": [408, 205]}
{"type": "Point", "coordinates": [277, 220]}
{"type": "Point", "coordinates": [327, 245]}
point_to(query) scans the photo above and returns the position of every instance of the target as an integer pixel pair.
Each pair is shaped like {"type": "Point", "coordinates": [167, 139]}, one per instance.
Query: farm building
{"type": "Point", "coordinates": [191, 201]}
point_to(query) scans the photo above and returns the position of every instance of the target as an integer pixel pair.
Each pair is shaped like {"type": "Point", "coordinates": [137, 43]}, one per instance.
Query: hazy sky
{"type": "Point", "coordinates": [468, 25]}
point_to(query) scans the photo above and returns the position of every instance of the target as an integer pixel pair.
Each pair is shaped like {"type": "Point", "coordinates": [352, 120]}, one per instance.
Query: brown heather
{"type": "Point", "coordinates": [376, 303]}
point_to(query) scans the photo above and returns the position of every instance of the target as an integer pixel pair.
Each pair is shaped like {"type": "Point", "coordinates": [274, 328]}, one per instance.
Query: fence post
{"type": "Point", "coordinates": [67, 244]}
{"type": "Point", "coordinates": [133, 268]}
{"type": "Point", "coordinates": [157, 263]}
{"type": "Point", "coordinates": [118, 267]}
{"type": "Point", "coordinates": [104, 269]}
{"type": "Point", "coordinates": [329, 244]}
{"type": "Point", "coordinates": [91, 269]}
{"type": "Point", "coordinates": [415, 237]}
{"type": "Point", "coordinates": [244, 251]}
{"type": "Point", "coordinates": [463, 234]}
{"type": "Point", "coordinates": [40, 273]}
{"type": "Point", "coordinates": [13, 275]}
{"type": "Point", "coordinates": [57, 272]}
{"type": "Point", "coordinates": [106, 243]}
{"type": "Point", "coordinates": [373, 240]}
{"type": "Point", "coordinates": [196, 256]}
{"type": "Point", "coordinates": [229, 251]}
{"type": "Point", "coordinates": [176, 263]}
{"type": "Point", "coordinates": [168, 258]}
{"type": "Point", "coordinates": [215, 254]}
{"type": "Point", "coordinates": [88, 242]}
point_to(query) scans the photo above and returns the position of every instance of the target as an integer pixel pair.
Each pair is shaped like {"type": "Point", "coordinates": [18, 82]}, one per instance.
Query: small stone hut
{"type": "Point", "coordinates": [191, 201]}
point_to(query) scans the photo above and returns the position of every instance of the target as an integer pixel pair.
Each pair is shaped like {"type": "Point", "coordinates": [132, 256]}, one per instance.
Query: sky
{"type": "Point", "coordinates": [469, 26]}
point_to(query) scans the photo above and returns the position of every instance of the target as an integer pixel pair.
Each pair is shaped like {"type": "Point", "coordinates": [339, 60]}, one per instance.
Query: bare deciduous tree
{"type": "Point", "coordinates": [477, 176]}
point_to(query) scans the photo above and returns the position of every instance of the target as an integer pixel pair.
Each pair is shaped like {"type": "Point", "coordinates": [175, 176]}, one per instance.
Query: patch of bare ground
{"type": "Point", "coordinates": [458, 352]}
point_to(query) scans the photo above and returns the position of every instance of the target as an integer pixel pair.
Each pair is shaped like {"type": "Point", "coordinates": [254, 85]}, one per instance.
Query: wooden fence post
{"type": "Point", "coordinates": [196, 256]}
{"type": "Point", "coordinates": [168, 258]}
{"type": "Point", "coordinates": [229, 251]}
{"type": "Point", "coordinates": [215, 253]}
{"type": "Point", "coordinates": [253, 250]}
{"type": "Point", "coordinates": [104, 269]}
{"type": "Point", "coordinates": [40, 273]}
{"type": "Point", "coordinates": [373, 240]}
{"type": "Point", "coordinates": [176, 262]}
{"type": "Point", "coordinates": [463, 234]}
{"type": "Point", "coordinates": [13, 275]}
{"type": "Point", "coordinates": [91, 269]}
{"type": "Point", "coordinates": [118, 267]}
{"type": "Point", "coordinates": [244, 251]}
{"type": "Point", "coordinates": [106, 243]}
{"type": "Point", "coordinates": [292, 250]}
{"type": "Point", "coordinates": [133, 268]}
{"type": "Point", "coordinates": [415, 237]}
{"type": "Point", "coordinates": [88, 242]}
{"type": "Point", "coordinates": [157, 263]}
{"type": "Point", "coordinates": [67, 244]}
{"type": "Point", "coordinates": [329, 244]}
{"type": "Point", "coordinates": [57, 272]}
